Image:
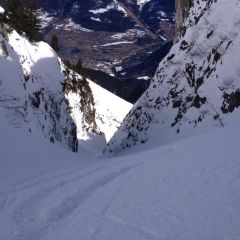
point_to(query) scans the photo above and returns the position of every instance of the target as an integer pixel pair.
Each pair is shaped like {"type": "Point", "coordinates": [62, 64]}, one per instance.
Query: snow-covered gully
{"type": "Point", "coordinates": [186, 190]}
{"type": "Point", "coordinates": [178, 177]}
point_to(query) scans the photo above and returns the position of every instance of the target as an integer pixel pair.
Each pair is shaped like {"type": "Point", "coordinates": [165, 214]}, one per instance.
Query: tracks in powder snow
{"type": "Point", "coordinates": [36, 207]}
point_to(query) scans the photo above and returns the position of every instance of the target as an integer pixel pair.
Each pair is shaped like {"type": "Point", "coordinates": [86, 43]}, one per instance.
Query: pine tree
{"type": "Point", "coordinates": [15, 15]}
{"type": "Point", "coordinates": [54, 43]}
{"type": "Point", "coordinates": [67, 63]}
{"type": "Point", "coordinates": [23, 17]}
{"type": "Point", "coordinates": [32, 22]}
{"type": "Point", "coordinates": [79, 68]}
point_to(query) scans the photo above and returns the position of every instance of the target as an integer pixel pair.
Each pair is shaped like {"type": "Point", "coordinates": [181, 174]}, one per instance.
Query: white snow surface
{"type": "Point", "coordinates": [111, 110]}
{"type": "Point", "coordinates": [2, 10]}
{"type": "Point", "coordinates": [45, 18]}
{"type": "Point", "coordinates": [115, 43]}
{"type": "Point", "coordinates": [130, 34]}
{"type": "Point", "coordinates": [111, 6]}
{"type": "Point", "coordinates": [71, 25]}
{"type": "Point", "coordinates": [141, 3]}
{"type": "Point", "coordinates": [185, 190]}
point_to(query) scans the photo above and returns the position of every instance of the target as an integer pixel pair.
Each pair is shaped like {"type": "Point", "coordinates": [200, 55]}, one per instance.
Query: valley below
{"type": "Point", "coordinates": [116, 39]}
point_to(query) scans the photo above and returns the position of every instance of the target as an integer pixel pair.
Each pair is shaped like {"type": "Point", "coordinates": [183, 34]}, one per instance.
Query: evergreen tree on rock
{"type": "Point", "coordinates": [32, 22]}
{"type": "Point", "coordinates": [14, 12]}
{"type": "Point", "coordinates": [55, 43]}
{"type": "Point", "coordinates": [79, 68]}
{"type": "Point", "coordinates": [23, 17]}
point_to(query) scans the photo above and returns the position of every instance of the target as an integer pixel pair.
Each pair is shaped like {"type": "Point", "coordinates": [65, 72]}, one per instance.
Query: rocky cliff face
{"type": "Point", "coordinates": [32, 91]}
{"type": "Point", "coordinates": [182, 8]}
{"type": "Point", "coordinates": [196, 87]}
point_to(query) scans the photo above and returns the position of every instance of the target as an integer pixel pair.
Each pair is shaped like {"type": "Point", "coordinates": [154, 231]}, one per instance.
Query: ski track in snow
{"type": "Point", "coordinates": [37, 191]}
{"type": "Point", "coordinates": [177, 191]}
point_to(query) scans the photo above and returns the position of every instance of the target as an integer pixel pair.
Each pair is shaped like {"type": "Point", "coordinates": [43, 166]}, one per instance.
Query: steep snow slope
{"type": "Point", "coordinates": [39, 93]}
{"type": "Point", "coordinates": [110, 110]}
{"type": "Point", "coordinates": [107, 114]}
{"type": "Point", "coordinates": [197, 85]}
{"type": "Point", "coordinates": [178, 191]}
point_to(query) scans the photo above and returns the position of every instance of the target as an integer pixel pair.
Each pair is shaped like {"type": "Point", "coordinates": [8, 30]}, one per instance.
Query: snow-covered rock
{"type": "Point", "coordinates": [196, 86]}
{"type": "Point", "coordinates": [39, 93]}
{"type": "Point", "coordinates": [141, 3]}
{"type": "Point", "coordinates": [31, 90]}
{"type": "Point", "coordinates": [2, 11]}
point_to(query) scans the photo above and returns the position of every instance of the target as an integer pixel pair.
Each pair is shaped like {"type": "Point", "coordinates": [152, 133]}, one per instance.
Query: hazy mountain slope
{"type": "Point", "coordinates": [114, 15]}
{"type": "Point", "coordinates": [115, 37]}
{"type": "Point", "coordinates": [196, 86]}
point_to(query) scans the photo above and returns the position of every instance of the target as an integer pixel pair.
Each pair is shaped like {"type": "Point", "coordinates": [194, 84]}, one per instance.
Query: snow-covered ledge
{"type": "Point", "coordinates": [2, 11]}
